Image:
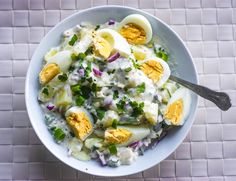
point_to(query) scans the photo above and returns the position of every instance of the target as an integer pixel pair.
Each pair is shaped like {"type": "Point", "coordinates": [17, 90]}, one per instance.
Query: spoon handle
{"type": "Point", "coordinates": [221, 99]}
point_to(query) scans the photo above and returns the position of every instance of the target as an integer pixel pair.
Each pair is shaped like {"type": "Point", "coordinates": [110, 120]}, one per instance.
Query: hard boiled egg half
{"type": "Point", "coordinates": [125, 135]}
{"type": "Point", "coordinates": [178, 107]}
{"type": "Point", "coordinates": [107, 41]}
{"type": "Point", "coordinates": [136, 29]}
{"type": "Point", "coordinates": [156, 69]}
{"type": "Point", "coordinates": [80, 121]}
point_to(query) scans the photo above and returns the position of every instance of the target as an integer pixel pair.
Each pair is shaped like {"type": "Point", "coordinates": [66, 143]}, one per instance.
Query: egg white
{"type": "Point", "coordinates": [116, 40]}
{"type": "Point", "coordinates": [138, 133]}
{"type": "Point", "coordinates": [139, 20]}
{"type": "Point", "coordinates": [185, 95]}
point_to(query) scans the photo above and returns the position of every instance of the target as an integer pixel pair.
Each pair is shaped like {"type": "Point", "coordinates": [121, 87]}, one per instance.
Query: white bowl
{"type": "Point", "coordinates": [98, 15]}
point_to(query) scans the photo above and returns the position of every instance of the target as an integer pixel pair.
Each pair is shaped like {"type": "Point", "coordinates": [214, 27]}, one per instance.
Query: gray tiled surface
{"type": "Point", "coordinates": [208, 28]}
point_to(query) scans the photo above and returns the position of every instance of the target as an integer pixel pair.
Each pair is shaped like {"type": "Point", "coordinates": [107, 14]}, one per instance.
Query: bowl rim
{"type": "Point", "coordinates": [27, 88]}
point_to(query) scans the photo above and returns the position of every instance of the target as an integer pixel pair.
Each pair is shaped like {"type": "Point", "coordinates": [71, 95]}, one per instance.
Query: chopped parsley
{"type": "Point", "coordinates": [112, 148]}
{"type": "Point", "coordinates": [73, 40]}
{"type": "Point", "coordinates": [63, 77]}
{"type": "Point", "coordinates": [121, 106]}
{"type": "Point", "coordinates": [85, 91]}
{"type": "Point", "coordinates": [58, 134]}
{"type": "Point", "coordinates": [141, 88]}
{"type": "Point", "coordinates": [88, 69]}
{"type": "Point", "coordinates": [45, 91]}
{"type": "Point", "coordinates": [79, 100]}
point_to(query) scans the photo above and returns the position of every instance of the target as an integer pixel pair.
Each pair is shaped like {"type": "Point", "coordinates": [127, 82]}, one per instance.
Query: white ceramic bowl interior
{"type": "Point", "coordinates": [98, 15]}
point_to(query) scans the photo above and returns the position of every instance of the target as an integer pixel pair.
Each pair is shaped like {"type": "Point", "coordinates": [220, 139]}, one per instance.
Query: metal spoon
{"type": "Point", "coordinates": [221, 99]}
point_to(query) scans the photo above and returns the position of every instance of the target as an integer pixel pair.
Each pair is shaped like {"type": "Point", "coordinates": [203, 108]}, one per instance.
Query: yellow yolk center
{"type": "Point", "coordinates": [102, 47]}
{"type": "Point", "coordinates": [117, 136]}
{"type": "Point", "coordinates": [133, 34]}
{"type": "Point", "coordinates": [174, 112]}
{"type": "Point", "coordinates": [80, 124]}
{"type": "Point", "coordinates": [153, 69]}
{"type": "Point", "coordinates": [48, 72]}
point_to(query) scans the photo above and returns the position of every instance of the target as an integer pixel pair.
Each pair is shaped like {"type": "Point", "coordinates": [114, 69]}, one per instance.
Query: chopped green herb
{"type": "Point", "coordinates": [95, 88]}
{"type": "Point", "coordinates": [79, 100]}
{"type": "Point", "coordinates": [161, 53]}
{"type": "Point", "coordinates": [141, 88]}
{"type": "Point", "coordinates": [81, 56]}
{"type": "Point", "coordinates": [73, 40]}
{"type": "Point", "coordinates": [71, 68]}
{"type": "Point", "coordinates": [45, 91]}
{"type": "Point", "coordinates": [114, 123]}
{"type": "Point", "coordinates": [120, 106]}
{"type": "Point", "coordinates": [137, 108]}
{"type": "Point", "coordinates": [100, 113]}
{"type": "Point", "coordinates": [135, 64]}
{"type": "Point", "coordinates": [128, 69]}
{"type": "Point", "coordinates": [63, 77]}
{"type": "Point", "coordinates": [115, 94]}
{"type": "Point", "coordinates": [111, 71]}
{"type": "Point", "coordinates": [75, 88]}
{"type": "Point", "coordinates": [97, 27]}
{"type": "Point", "coordinates": [85, 91]}
{"type": "Point", "coordinates": [113, 150]}
{"type": "Point", "coordinates": [88, 69]}
{"type": "Point", "coordinates": [58, 134]}
{"type": "Point", "coordinates": [90, 79]}
{"type": "Point", "coordinates": [89, 50]}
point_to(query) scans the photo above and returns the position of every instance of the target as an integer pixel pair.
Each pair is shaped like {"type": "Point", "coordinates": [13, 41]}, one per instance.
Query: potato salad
{"type": "Point", "coordinates": [106, 94]}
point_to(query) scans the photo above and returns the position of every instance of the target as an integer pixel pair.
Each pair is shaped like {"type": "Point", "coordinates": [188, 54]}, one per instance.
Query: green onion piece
{"type": "Point", "coordinates": [45, 91]}
{"type": "Point", "coordinates": [141, 88]}
{"type": "Point", "coordinates": [100, 113]}
{"type": "Point", "coordinates": [97, 27]}
{"type": "Point", "coordinates": [113, 150]}
{"type": "Point", "coordinates": [75, 88]}
{"type": "Point", "coordinates": [161, 53]}
{"type": "Point", "coordinates": [73, 40]}
{"type": "Point", "coordinates": [115, 94]}
{"type": "Point", "coordinates": [58, 134]}
{"type": "Point", "coordinates": [114, 123]}
{"type": "Point", "coordinates": [136, 65]}
{"type": "Point", "coordinates": [85, 91]}
{"type": "Point", "coordinates": [79, 100]}
{"type": "Point", "coordinates": [128, 69]}
{"type": "Point", "coordinates": [81, 56]}
{"type": "Point", "coordinates": [89, 50]}
{"type": "Point", "coordinates": [63, 77]}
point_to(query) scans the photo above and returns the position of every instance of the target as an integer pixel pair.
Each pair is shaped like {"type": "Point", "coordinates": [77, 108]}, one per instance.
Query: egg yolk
{"type": "Point", "coordinates": [48, 72]}
{"type": "Point", "coordinates": [80, 124]}
{"type": "Point", "coordinates": [174, 112]}
{"type": "Point", "coordinates": [102, 47]}
{"type": "Point", "coordinates": [153, 69]}
{"type": "Point", "coordinates": [117, 136]}
{"type": "Point", "coordinates": [133, 34]}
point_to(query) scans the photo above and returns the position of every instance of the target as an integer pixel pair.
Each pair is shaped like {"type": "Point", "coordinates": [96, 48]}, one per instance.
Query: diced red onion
{"type": "Point", "coordinates": [111, 22]}
{"type": "Point", "coordinates": [113, 57]}
{"type": "Point", "coordinates": [108, 101]}
{"type": "Point", "coordinates": [50, 107]}
{"type": "Point", "coordinates": [136, 145]}
{"type": "Point", "coordinates": [102, 158]}
{"type": "Point", "coordinates": [81, 72]}
{"type": "Point", "coordinates": [97, 72]}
